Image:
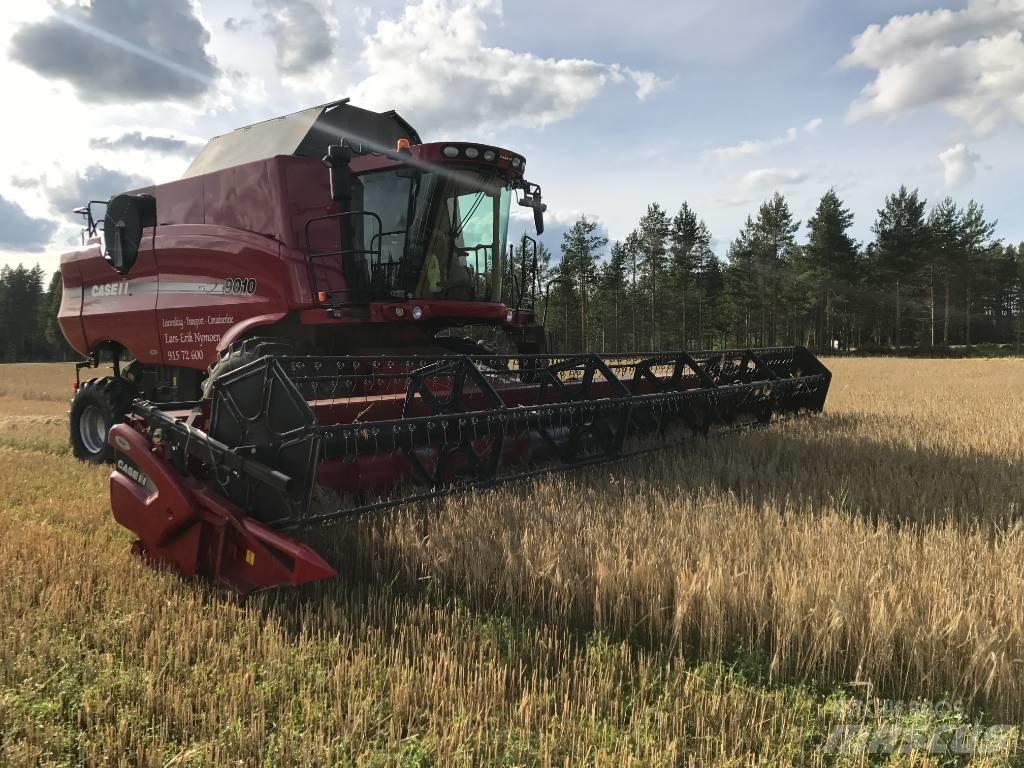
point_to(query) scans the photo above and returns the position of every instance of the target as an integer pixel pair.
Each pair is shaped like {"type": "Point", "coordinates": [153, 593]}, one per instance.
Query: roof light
{"type": "Point", "coordinates": [399, 311]}
{"type": "Point", "coordinates": [489, 155]}
{"type": "Point", "coordinates": [401, 144]}
{"type": "Point", "coordinates": [417, 313]}
{"type": "Point", "coordinates": [508, 316]}
{"type": "Point", "coordinates": [472, 153]}
{"type": "Point", "coordinates": [450, 151]}
{"type": "Point", "coordinates": [516, 162]}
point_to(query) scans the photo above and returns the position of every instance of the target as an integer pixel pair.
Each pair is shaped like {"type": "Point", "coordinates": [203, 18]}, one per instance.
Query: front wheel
{"type": "Point", "coordinates": [96, 407]}
{"type": "Point", "coordinates": [243, 352]}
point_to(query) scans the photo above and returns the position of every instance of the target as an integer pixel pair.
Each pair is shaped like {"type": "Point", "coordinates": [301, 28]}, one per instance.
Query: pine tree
{"type": "Point", "coordinates": [6, 341]}
{"type": "Point", "coordinates": [774, 248]}
{"type": "Point", "coordinates": [631, 248]}
{"type": "Point", "coordinates": [976, 253]}
{"type": "Point", "coordinates": [945, 224]}
{"type": "Point", "coordinates": [1019, 300]}
{"type": "Point", "coordinates": [831, 259]}
{"type": "Point", "coordinates": [1000, 300]}
{"type": "Point", "coordinates": [689, 248]}
{"type": "Point", "coordinates": [21, 308]}
{"type": "Point", "coordinates": [901, 241]}
{"type": "Point", "coordinates": [712, 303]}
{"type": "Point", "coordinates": [654, 231]}
{"type": "Point", "coordinates": [577, 276]}
{"type": "Point", "coordinates": [742, 284]}
{"type": "Point", "coordinates": [531, 278]}
{"type": "Point", "coordinates": [611, 297]}
{"type": "Point", "coordinates": [58, 347]}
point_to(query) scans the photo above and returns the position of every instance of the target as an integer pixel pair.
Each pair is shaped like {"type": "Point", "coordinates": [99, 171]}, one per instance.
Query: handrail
{"type": "Point", "coordinates": [341, 253]}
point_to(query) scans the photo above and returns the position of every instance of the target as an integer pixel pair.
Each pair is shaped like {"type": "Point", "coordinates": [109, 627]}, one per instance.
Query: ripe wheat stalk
{"type": "Point", "coordinates": [702, 607]}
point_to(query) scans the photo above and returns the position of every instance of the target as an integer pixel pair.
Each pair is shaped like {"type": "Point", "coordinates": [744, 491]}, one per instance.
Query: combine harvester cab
{"type": "Point", "coordinates": [287, 443]}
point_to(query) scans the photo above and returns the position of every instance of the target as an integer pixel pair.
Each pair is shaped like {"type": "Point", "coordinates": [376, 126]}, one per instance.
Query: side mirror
{"type": "Point", "coordinates": [538, 218]}
{"type": "Point", "coordinates": [126, 217]}
{"type": "Point", "coordinates": [337, 161]}
{"type": "Point", "coordinates": [532, 199]}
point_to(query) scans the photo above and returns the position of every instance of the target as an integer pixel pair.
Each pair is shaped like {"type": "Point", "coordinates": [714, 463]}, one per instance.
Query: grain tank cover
{"type": "Point", "coordinates": [307, 134]}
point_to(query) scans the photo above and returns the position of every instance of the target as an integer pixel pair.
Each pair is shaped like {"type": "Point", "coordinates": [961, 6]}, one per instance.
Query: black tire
{"type": "Point", "coordinates": [242, 353]}
{"type": "Point", "coordinates": [96, 407]}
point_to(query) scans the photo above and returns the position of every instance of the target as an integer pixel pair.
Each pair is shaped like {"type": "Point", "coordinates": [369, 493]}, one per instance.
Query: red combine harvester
{"type": "Point", "coordinates": [287, 351]}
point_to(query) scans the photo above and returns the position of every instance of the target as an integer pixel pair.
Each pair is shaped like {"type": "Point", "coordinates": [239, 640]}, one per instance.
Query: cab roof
{"type": "Point", "coordinates": [306, 134]}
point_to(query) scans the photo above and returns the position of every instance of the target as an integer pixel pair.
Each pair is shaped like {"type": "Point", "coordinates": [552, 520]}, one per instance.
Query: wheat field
{"type": "Point", "coordinates": [728, 604]}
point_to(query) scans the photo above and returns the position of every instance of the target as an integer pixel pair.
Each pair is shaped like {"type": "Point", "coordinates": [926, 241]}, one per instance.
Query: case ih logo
{"type": "Point", "coordinates": [127, 469]}
{"type": "Point", "coordinates": [111, 289]}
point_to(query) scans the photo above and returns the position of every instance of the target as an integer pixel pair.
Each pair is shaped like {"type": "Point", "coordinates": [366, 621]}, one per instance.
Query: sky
{"type": "Point", "coordinates": [715, 102]}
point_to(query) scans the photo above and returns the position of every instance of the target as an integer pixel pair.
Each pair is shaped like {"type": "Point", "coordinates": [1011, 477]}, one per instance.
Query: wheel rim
{"type": "Point", "coordinates": [92, 428]}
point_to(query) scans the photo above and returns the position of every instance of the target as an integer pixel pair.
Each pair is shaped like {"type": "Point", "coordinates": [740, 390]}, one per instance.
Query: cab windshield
{"type": "Point", "coordinates": [441, 234]}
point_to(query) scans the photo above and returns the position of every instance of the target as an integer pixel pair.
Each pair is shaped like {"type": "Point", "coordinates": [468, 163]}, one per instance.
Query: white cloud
{"type": "Point", "coordinates": [646, 82]}
{"type": "Point", "coordinates": [969, 62]}
{"type": "Point", "coordinates": [432, 61]}
{"type": "Point", "coordinates": [959, 165]}
{"type": "Point", "coordinates": [21, 232]}
{"type": "Point", "coordinates": [771, 178]}
{"type": "Point", "coordinates": [733, 201]}
{"type": "Point", "coordinates": [121, 50]}
{"type": "Point", "coordinates": [93, 183]}
{"type": "Point", "coordinates": [756, 147]}
{"type": "Point", "coordinates": [560, 215]}
{"type": "Point", "coordinates": [300, 31]}
{"type": "Point", "coordinates": [137, 140]}
{"type": "Point", "coordinates": [556, 223]}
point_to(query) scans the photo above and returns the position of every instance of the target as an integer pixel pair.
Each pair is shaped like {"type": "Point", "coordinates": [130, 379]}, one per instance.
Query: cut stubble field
{"type": "Point", "coordinates": [729, 603]}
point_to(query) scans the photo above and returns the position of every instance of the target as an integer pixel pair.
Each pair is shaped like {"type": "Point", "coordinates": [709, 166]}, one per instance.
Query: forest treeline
{"type": "Point", "coordinates": [929, 278]}
{"type": "Point", "coordinates": [28, 316]}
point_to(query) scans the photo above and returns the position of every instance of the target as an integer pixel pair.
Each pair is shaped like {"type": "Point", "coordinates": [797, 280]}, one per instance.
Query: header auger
{"type": "Point", "coordinates": [286, 349]}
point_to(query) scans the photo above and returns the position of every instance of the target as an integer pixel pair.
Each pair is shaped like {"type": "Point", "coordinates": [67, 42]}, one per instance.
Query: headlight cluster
{"type": "Point", "coordinates": [473, 153]}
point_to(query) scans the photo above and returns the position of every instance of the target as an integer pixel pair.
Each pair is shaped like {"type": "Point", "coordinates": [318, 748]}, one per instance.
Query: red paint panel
{"type": "Point", "coordinates": [179, 202]}
{"type": "Point", "coordinates": [159, 510]}
{"type": "Point", "coordinates": [69, 316]}
{"type": "Point", "coordinates": [305, 186]}
{"type": "Point", "coordinates": [189, 527]}
{"type": "Point", "coordinates": [244, 197]}
{"type": "Point", "coordinates": [118, 307]}
{"type": "Point", "coordinates": [212, 279]}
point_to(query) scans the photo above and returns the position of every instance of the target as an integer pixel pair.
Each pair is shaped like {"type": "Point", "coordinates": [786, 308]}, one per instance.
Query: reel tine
{"type": "Point", "coordinates": [407, 428]}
